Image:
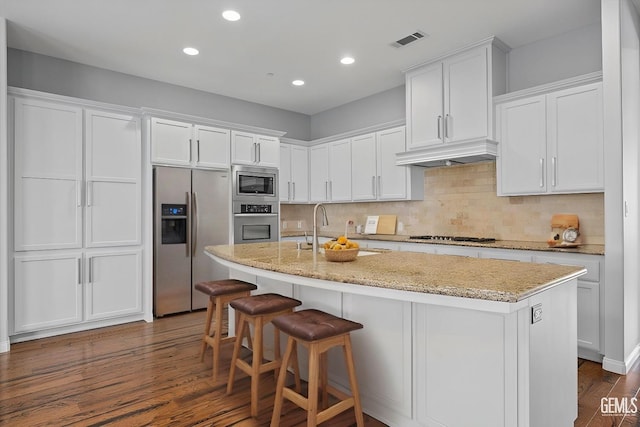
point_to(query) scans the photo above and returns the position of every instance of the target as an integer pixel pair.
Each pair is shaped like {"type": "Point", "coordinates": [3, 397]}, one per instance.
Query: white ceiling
{"type": "Point", "coordinates": [293, 39]}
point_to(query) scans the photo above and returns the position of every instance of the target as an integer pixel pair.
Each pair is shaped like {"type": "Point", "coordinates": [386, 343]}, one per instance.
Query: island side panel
{"type": "Point", "coordinates": [549, 349]}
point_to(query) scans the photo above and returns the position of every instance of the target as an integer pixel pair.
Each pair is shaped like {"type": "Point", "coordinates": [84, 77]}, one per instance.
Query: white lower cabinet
{"type": "Point", "coordinates": [113, 284]}
{"type": "Point", "coordinates": [382, 353]}
{"type": "Point", "coordinates": [48, 291]}
{"type": "Point", "coordinates": [56, 289]}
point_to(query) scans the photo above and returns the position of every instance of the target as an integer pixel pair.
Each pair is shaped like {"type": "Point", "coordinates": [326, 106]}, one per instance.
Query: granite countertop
{"type": "Point", "coordinates": [478, 278]}
{"type": "Point", "coordinates": [498, 244]}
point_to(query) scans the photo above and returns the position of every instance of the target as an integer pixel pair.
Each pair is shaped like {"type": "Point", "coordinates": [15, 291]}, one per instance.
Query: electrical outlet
{"type": "Point", "coordinates": [536, 313]}
{"type": "Point", "coordinates": [284, 225]}
{"type": "Point", "coordinates": [299, 225]}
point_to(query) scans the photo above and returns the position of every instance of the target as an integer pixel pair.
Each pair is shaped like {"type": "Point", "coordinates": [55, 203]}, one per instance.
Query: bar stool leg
{"type": "Point", "coordinates": [278, 401]}
{"type": "Point", "coordinates": [324, 382]}
{"type": "Point", "coordinates": [256, 361]}
{"type": "Point", "coordinates": [312, 400]}
{"type": "Point", "coordinates": [351, 369]}
{"type": "Point", "coordinates": [217, 338]}
{"type": "Point", "coordinates": [207, 327]}
{"type": "Point", "coordinates": [236, 352]}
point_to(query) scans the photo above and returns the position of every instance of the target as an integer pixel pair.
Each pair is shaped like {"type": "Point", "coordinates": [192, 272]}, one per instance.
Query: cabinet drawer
{"type": "Point", "coordinates": [592, 266]}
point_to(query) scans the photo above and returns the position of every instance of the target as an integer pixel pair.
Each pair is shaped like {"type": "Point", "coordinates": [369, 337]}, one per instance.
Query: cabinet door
{"type": "Point", "coordinates": [114, 284]}
{"type": "Point", "coordinates": [299, 174]}
{"type": "Point", "coordinates": [48, 175]}
{"type": "Point", "coordinates": [392, 179]}
{"type": "Point", "coordinates": [268, 151]}
{"type": "Point", "coordinates": [47, 291]}
{"type": "Point", "coordinates": [212, 147]}
{"type": "Point", "coordinates": [575, 137]}
{"type": "Point", "coordinates": [113, 175]}
{"type": "Point", "coordinates": [244, 148]}
{"type": "Point", "coordinates": [466, 96]}
{"type": "Point", "coordinates": [425, 106]}
{"type": "Point", "coordinates": [170, 142]}
{"type": "Point", "coordinates": [522, 134]}
{"type": "Point", "coordinates": [319, 173]}
{"type": "Point", "coordinates": [364, 175]}
{"type": "Point", "coordinates": [382, 353]}
{"type": "Point", "coordinates": [284, 174]}
{"type": "Point", "coordinates": [340, 171]}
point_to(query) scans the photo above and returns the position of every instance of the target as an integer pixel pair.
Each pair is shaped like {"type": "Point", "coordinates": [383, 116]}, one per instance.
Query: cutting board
{"type": "Point", "coordinates": [386, 224]}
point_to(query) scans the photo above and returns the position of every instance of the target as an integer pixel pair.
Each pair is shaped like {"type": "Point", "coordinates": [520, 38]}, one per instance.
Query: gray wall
{"type": "Point", "coordinates": [567, 55]}
{"type": "Point", "coordinates": [375, 109]}
{"type": "Point", "coordinates": [549, 60]}
{"type": "Point", "coordinates": [44, 73]}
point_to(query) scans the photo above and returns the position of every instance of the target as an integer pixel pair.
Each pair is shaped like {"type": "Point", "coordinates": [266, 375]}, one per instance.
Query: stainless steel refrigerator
{"type": "Point", "coordinates": [191, 211]}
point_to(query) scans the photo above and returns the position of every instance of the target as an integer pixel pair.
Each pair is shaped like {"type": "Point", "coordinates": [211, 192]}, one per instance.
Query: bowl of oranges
{"type": "Point", "coordinates": [341, 250]}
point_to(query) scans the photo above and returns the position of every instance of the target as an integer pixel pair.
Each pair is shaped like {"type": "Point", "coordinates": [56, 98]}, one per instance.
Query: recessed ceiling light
{"type": "Point", "coordinates": [231, 15]}
{"type": "Point", "coordinates": [347, 60]}
{"type": "Point", "coordinates": [297, 82]}
{"type": "Point", "coordinates": [191, 51]}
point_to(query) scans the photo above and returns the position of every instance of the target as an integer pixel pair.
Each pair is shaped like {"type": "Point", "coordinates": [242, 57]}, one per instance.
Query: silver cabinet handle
{"type": "Point", "coordinates": [196, 224]}
{"type": "Point", "coordinates": [379, 186]}
{"type": "Point", "coordinates": [439, 124]}
{"type": "Point", "coordinates": [331, 189]}
{"type": "Point", "coordinates": [89, 193]}
{"type": "Point", "coordinates": [79, 271]}
{"type": "Point", "coordinates": [446, 125]}
{"type": "Point", "coordinates": [326, 190]}
{"type": "Point", "coordinates": [197, 150]}
{"type": "Point", "coordinates": [554, 171]}
{"type": "Point", "coordinates": [189, 221]}
{"type": "Point", "coordinates": [259, 153]}
{"type": "Point", "coordinates": [91, 270]}
{"type": "Point", "coordinates": [190, 150]}
{"type": "Point", "coordinates": [541, 172]}
{"type": "Point", "coordinates": [288, 190]}
{"type": "Point", "coordinates": [255, 153]}
{"type": "Point", "coordinates": [294, 190]}
{"type": "Point", "coordinates": [78, 193]}
{"type": "Point", "coordinates": [373, 186]}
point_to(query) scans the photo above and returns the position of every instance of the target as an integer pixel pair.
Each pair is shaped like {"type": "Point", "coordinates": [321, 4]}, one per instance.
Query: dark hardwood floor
{"type": "Point", "coordinates": [149, 375]}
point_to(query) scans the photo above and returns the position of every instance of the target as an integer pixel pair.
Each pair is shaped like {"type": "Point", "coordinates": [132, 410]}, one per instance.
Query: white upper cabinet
{"type": "Point", "coordinates": [364, 171]}
{"type": "Point", "coordinates": [551, 143]}
{"type": "Point", "coordinates": [170, 142]}
{"type": "Point", "coordinates": [185, 144]}
{"type": "Point", "coordinates": [212, 147]}
{"type": "Point", "coordinates": [113, 179]}
{"type": "Point", "coordinates": [340, 171]}
{"type": "Point", "coordinates": [394, 181]}
{"type": "Point", "coordinates": [257, 150]}
{"type": "Point", "coordinates": [330, 171]}
{"type": "Point", "coordinates": [576, 139]}
{"type": "Point", "coordinates": [319, 173]}
{"type": "Point", "coordinates": [294, 173]}
{"type": "Point", "coordinates": [48, 175]}
{"type": "Point", "coordinates": [450, 100]}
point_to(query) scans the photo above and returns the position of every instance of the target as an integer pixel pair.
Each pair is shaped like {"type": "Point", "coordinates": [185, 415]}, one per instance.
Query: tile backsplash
{"type": "Point", "coordinates": [462, 201]}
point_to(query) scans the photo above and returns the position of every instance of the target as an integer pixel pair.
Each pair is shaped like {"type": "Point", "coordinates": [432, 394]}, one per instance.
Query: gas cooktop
{"type": "Point", "coordinates": [456, 238]}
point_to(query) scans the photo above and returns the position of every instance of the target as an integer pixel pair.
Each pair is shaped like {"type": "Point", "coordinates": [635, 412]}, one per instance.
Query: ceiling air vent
{"type": "Point", "coordinates": [409, 39]}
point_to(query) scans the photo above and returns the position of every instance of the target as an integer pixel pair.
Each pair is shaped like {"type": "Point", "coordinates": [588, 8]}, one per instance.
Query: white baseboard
{"type": "Point", "coordinates": [4, 345]}
{"type": "Point", "coordinates": [619, 367]}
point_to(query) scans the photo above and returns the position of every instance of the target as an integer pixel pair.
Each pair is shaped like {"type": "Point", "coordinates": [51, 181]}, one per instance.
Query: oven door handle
{"type": "Point", "coordinates": [259, 215]}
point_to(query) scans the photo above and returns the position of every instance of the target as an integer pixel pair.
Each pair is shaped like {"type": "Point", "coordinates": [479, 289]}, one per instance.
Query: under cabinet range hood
{"type": "Point", "coordinates": [447, 154]}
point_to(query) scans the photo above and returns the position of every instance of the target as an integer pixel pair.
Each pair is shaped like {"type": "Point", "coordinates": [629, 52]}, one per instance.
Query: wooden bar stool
{"type": "Point", "coordinates": [259, 310]}
{"type": "Point", "coordinates": [318, 331]}
{"type": "Point", "coordinates": [220, 292]}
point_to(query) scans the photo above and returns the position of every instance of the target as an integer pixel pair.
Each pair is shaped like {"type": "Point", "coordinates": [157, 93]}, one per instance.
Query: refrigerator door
{"type": "Point", "coordinates": [172, 259]}
{"type": "Point", "coordinates": [211, 210]}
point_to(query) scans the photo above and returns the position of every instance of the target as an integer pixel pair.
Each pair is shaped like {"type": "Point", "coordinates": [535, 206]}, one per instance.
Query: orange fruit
{"type": "Point", "coordinates": [342, 240]}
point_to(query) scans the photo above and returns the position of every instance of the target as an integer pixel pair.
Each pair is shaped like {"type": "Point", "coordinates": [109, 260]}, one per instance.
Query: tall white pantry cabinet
{"type": "Point", "coordinates": [77, 214]}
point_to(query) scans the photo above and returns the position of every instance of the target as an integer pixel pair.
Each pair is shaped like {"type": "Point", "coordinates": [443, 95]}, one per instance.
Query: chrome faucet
{"type": "Point", "coordinates": [325, 221]}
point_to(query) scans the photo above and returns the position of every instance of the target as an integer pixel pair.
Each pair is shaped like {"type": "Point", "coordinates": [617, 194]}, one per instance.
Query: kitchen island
{"type": "Point", "coordinates": [448, 340]}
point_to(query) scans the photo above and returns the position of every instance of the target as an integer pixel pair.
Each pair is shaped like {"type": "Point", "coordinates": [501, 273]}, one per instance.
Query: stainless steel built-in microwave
{"type": "Point", "coordinates": [251, 183]}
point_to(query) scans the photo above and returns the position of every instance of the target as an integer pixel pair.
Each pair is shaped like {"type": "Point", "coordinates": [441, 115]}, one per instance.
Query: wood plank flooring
{"type": "Point", "coordinates": [137, 374]}
{"type": "Point", "coordinates": [149, 375]}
